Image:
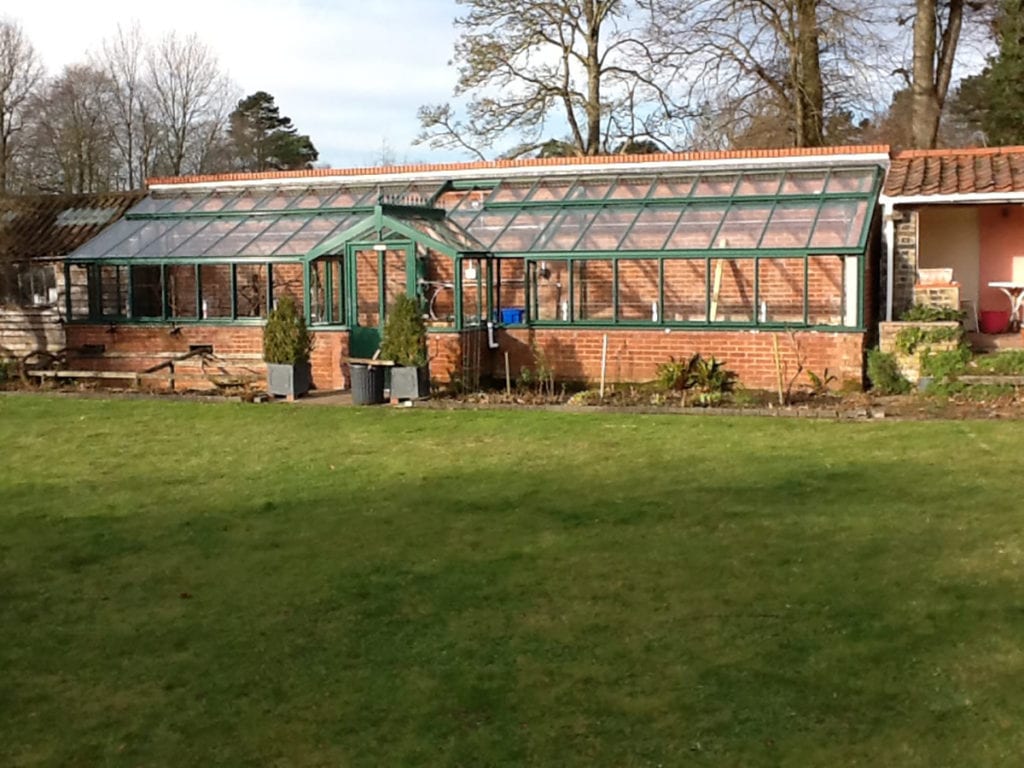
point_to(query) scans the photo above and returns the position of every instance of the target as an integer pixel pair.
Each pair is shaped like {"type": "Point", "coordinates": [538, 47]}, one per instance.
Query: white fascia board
{"type": "Point", "coordinates": [953, 199]}
{"type": "Point", "coordinates": [533, 171]}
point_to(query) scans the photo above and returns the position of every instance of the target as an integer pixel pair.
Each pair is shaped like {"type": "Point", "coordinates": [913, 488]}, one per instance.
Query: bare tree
{"type": "Point", "coordinates": [133, 127]}
{"type": "Point", "coordinates": [20, 73]}
{"type": "Point", "coordinates": [776, 68]}
{"type": "Point", "coordinates": [573, 66]}
{"type": "Point", "coordinates": [191, 100]}
{"type": "Point", "coordinates": [70, 132]}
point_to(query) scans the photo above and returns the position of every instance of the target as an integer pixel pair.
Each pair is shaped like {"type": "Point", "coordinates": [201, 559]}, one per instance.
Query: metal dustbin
{"type": "Point", "coordinates": [367, 384]}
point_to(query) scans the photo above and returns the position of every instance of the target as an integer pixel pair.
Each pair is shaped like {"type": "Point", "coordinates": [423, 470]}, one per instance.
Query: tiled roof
{"type": "Point", "coordinates": [50, 226]}
{"type": "Point", "coordinates": [497, 165]}
{"type": "Point", "coordinates": [956, 172]}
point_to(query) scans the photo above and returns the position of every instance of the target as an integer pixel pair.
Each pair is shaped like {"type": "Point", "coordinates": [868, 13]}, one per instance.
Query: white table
{"type": "Point", "coordinates": [1015, 293]}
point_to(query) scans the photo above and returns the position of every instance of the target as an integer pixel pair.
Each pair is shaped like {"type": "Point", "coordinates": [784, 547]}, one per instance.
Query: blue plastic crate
{"type": "Point", "coordinates": [513, 315]}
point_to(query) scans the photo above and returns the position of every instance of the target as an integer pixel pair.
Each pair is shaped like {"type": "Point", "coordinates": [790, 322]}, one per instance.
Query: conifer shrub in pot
{"type": "Point", "coordinates": [287, 345]}
{"type": "Point", "coordinates": [404, 342]}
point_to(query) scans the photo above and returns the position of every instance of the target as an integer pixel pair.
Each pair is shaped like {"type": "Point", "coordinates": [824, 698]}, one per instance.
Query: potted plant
{"type": "Point", "coordinates": [287, 345]}
{"type": "Point", "coordinates": [404, 343]}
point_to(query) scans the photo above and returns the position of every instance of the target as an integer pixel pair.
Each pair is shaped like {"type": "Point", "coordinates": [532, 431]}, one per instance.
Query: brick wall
{"type": "Point", "coordinates": [136, 348]}
{"type": "Point", "coordinates": [905, 271]}
{"type": "Point", "coordinates": [634, 355]}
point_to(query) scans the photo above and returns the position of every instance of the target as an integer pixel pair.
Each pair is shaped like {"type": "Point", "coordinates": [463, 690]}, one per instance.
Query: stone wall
{"type": "Point", "coordinates": [906, 250]}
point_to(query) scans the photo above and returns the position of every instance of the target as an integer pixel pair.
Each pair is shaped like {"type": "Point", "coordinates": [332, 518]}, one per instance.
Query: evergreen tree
{"type": "Point", "coordinates": [264, 140]}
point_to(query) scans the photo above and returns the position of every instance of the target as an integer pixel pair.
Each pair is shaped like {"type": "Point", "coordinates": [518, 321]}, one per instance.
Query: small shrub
{"type": "Point", "coordinates": [711, 380]}
{"type": "Point", "coordinates": [910, 340]}
{"type": "Point", "coordinates": [819, 384]}
{"type": "Point", "coordinates": [884, 373]}
{"type": "Point", "coordinates": [922, 313]}
{"type": "Point", "coordinates": [286, 340]}
{"type": "Point", "coordinates": [945, 365]}
{"type": "Point", "coordinates": [404, 339]}
{"type": "Point", "coordinates": [676, 375]}
{"type": "Point", "coordinates": [1010, 362]}
{"type": "Point", "coordinates": [8, 370]}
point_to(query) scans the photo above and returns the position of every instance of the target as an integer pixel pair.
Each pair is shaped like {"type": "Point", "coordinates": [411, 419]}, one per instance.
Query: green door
{"type": "Point", "coordinates": [378, 275]}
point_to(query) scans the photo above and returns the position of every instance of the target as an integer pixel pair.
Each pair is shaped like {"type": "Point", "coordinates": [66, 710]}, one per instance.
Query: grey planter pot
{"type": "Point", "coordinates": [410, 383]}
{"type": "Point", "coordinates": [289, 380]}
{"type": "Point", "coordinates": [367, 384]}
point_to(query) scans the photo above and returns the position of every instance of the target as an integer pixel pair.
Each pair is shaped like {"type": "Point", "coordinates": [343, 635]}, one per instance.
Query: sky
{"type": "Point", "coordinates": [350, 73]}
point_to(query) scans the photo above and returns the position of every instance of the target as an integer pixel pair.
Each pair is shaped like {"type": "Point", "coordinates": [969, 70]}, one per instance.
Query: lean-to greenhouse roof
{"type": "Point", "coordinates": [808, 202]}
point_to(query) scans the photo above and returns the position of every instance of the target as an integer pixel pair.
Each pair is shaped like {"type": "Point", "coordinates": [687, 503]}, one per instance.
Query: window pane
{"type": "Point", "coordinates": [825, 290]}
{"type": "Point", "coordinates": [780, 291]}
{"type": "Point", "coordinates": [672, 187]}
{"type": "Point", "coordinates": [337, 298]}
{"type": "Point", "coordinates": [564, 231]}
{"type": "Point", "coordinates": [79, 288]}
{"type": "Point", "coordinates": [214, 202]}
{"type": "Point", "coordinates": [310, 198]}
{"type": "Point", "coordinates": [549, 289]}
{"type": "Point", "coordinates": [607, 229]}
{"type": "Point", "coordinates": [696, 228]}
{"type": "Point", "coordinates": [592, 290]}
{"type": "Point", "coordinates": [179, 203]}
{"type": "Point", "coordinates": [247, 200]}
{"type": "Point", "coordinates": [631, 188]}
{"type": "Point", "coordinates": [273, 236]}
{"type": "Point", "coordinates": [638, 290]}
{"type": "Point", "coordinates": [732, 290]}
{"type": "Point", "coordinates": [550, 190]}
{"type": "Point", "coordinates": [308, 236]}
{"type": "Point", "coordinates": [790, 225]}
{"type": "Point", "coordinates": [685, 290]}
{"type": "Point", "coordinates": [439, 290]}
{"type": "Point", "coordinates": [235, 241]}
{"type": "Point", "coordinates": [650, 229]}
{"type": "Point", "coordinates": [394, 277]}
{"type": "Point", "coordinates": [351, 197]}
{"type": "Point", "coordinates": [590, 189]}
{"type": "Point", "coordinates": [181, 291]}
{"type": "Point", "coordinates": [367, 289]}
{"type": "Point", "coordinates": [202, 241]}
{"type": "Point", "coordinates": [840, 224]}
{"type": "Point", "coordinates": [488, 225]}
{"type": "Point", "coordinates": [114, 291]}
{"type": "Point", "coordinates": [758, 184]}
{"type": "Point", "coordinates": [318, 292]}
{"type": "Point", "coordinates": [511, 191]}
{"type": "Point", "coordinates": [251, 290]}
{"type": "Point", "coordinates": [215, 283]}
{"type": "Point", "coordinates": [147, 295]}
{"type": "Point", "coordinates": [852, 180]}
{"type": "Point", "coordinates": [287, 281]}
{"type": "Point", "coordinates": [511, 290]}
{"type": "Point", "coordinates": [472, 292]}
{"type": "Point", "coordinates": [743, 226]}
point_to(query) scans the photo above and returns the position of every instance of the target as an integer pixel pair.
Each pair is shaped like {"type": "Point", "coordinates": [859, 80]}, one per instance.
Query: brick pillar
{"type": "Point", "coordinates": [905, 268]}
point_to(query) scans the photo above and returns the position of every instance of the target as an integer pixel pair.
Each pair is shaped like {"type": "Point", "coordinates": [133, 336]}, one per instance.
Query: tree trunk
{"type": "Point", "coordinates": [809, 89]}
{"type": "Point", "coordinates": [934, 56]}
{"type": "Point", "coordinates": [593, 106]}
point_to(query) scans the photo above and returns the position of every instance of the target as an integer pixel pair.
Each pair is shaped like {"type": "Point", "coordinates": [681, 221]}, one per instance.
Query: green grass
{"type": "Point", "coordinates": [196, 584]}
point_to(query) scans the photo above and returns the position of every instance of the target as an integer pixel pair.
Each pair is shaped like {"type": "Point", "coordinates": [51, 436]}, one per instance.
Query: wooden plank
{"type": "Point", "coordinates": [84, 374]}
{"type": "Point", "coordinates": [1016, 381]}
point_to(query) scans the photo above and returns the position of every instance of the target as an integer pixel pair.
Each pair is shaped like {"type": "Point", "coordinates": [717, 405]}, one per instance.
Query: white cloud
{"type": "Point", "coordinates": [349, 73]}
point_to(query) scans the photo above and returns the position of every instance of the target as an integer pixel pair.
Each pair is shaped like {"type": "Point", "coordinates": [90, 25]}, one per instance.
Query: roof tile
{"type": "Point", "coordinates": [956, 171]}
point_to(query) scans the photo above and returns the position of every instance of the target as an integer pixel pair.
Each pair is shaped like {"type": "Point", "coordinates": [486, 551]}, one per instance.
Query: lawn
{"type": "Point", "coordinates": [189, 584]}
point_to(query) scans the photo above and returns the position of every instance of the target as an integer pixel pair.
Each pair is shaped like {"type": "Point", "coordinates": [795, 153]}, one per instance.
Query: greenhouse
{"type": "Point", "coordinates": [493, 251]}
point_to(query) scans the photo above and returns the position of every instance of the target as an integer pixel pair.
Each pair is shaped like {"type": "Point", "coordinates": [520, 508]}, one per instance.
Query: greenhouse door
{"type": "Point", "coordinates": [378, 274]}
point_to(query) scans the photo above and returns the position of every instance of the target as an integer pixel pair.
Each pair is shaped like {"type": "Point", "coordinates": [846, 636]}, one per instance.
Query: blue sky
{"type": "Point", "coordinates": [350, 73]}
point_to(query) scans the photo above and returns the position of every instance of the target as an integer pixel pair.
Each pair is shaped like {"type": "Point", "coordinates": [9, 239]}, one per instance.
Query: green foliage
{"type": "Point", "coordinates": [263, 140]}
{"type": "Point", "coordinates": [923, 313]}
{"type": "Point", "coordinates": [884, 373]}
{"type": "Point", "coordinates": [8, 370]}
{"type": "Point", "coordinates": [947, 364]}
{"type": "Point", "coordinates": [708, 377]}
{"type": "Point", "coordinates": [676, 375]}
{"type": "Point", "coordinates": [286, 340]}
{"type": "Point", "coordinates": [819, 384]}
{"type": "Point", "coordinates": [1010, 362]}
{"type": "Point", "coordinates": [404, 339]}
{"type": "Point", "coordinates": [910, 340]}
{"type": "Point", "coordinates": [541, 377]}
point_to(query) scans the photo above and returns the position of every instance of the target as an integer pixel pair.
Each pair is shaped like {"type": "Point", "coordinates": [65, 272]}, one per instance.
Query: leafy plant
{"type": "Point", "coordinates": [910, 340]}
{"type": "Point", "coordinates": [404, 339]}
{"type": "Point", "coordinates": [923, 313]}
{"type": "Point", "coordinates": [945, 365]}
{"type": "Point", "coordinates": [1008, 362]}
{"type": "Point", "coordinates": [819, 384]}
{"type": "Point", "coordinates": [286, 340]}
{"type": "Point", "coordinates": [711, 380]}
{"type": "Point", "coordinates": [676, 375]}
{"type": "Point", "coordinates": [884, 373]}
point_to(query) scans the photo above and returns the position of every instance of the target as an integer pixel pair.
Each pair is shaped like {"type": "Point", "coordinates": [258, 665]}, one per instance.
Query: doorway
{"type": "Point", "coordinates": [380, 272]}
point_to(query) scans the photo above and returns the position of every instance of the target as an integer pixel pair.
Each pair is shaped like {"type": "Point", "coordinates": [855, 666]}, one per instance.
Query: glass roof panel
{"type": "Point", "coordinates": [523, 230]}
{"type": "Point", "coordinates": [631, 188]}
{"type": "Point", "coordinates": [696, 228]}
{"type": "Point", "coordinates": [590, 189]}
{"type": "Point", "coordinates": [270, 239]}
{"type": "Point", "coordinates": [840, 224]}
{"type": "Point", "coordinates": [550, 190]}
{"type": "Point", "coordinates": [852, 180]}
{"type": "Point", "coordinates": [145, 234]}
{"type": "Point", "coordinates": [606, 229]}
{"type": "Point", "coordinates": [203, 240]}
{"type": "Point", "coordinates": [565, 230]}
{"type": "Point", "coordinates": [678, 186]}
{"type": "Point", "coordinates": [213, 202]}
{"type": "Point", "coordinates": [650, 229]}
{"type": "Point", "coordinates": [276, 201]}
{"type": "Point", "coordinates": [488, 225]}
{"type": "Point", "coordinates": [147, 205]}
{"type": "Point", "coordinates": [313, 232]}
{"type": "Point", "coordinates": [249, 200]}
{"type": "Point", "coordinates": [178, 203]}
{"type": "Point", "coordinates": [107, 242]}
{"type": "Point", "coordinates": [715, 185]}
{"type": "Point", "coordinates": [511, 191]}
{"type": "Point", "coordinates": [173, 233]}
{"type": "Point", "coordinates": [766, 183]}
{"type": "Point", "coordinates": [803, 183]}
{"type": "Point", "coordinates": [743, 225]}
{"type": "Point", "coordinates": [311, 198]}
{"type": "Point", "coordinates": [790, 225]}
{"type": "Point", "coordinates": [444, 232]}
{"type": "Point", "coordinates": [234, 242]}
